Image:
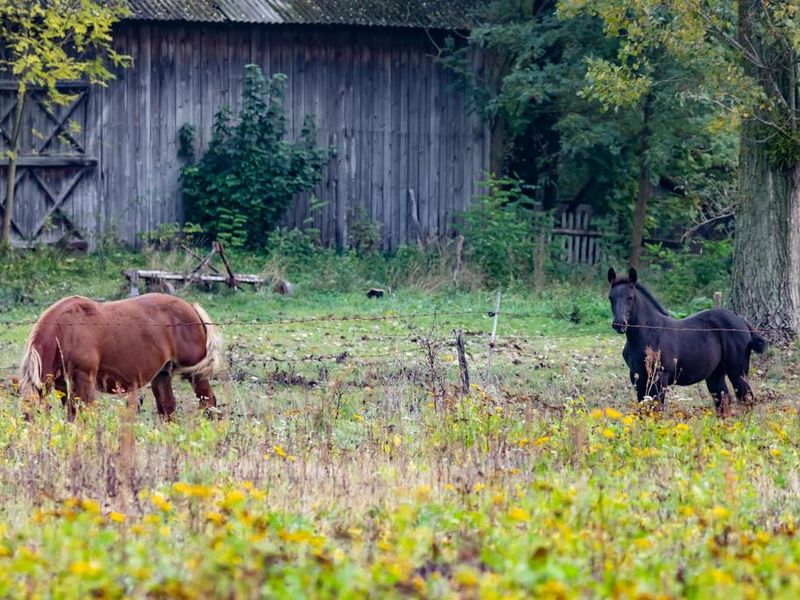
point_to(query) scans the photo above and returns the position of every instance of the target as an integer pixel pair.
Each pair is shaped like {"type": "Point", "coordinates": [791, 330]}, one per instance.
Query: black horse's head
{"type": "Point", "coordinates": [623, 298]}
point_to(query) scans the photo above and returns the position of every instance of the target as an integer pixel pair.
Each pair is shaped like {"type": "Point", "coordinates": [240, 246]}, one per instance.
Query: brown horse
{"type": "Point", "coordinates": [80, 347]}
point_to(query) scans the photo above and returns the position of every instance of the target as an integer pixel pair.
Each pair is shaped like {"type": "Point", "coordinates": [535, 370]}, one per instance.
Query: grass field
{"type": "Point", "coordinates": [348, 463]}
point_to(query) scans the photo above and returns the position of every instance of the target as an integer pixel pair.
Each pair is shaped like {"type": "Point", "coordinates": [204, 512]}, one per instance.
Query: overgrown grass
{"type": "Point", "coordinates": [349, 464]}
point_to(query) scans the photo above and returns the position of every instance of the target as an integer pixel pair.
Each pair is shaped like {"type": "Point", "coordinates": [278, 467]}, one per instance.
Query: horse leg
{"type": "Point", "coordinates": [737, 373]}
{"type": "Point", "coordinates": [202, 389]}
{"type": "Point", "coordinates": [162, 390]}
{"type": "Point", "coordinates": [640, 383]}
{"type": "Point", "coordinates": [719, 392]}
{"type": "Point", "coordinates": [84, 389]}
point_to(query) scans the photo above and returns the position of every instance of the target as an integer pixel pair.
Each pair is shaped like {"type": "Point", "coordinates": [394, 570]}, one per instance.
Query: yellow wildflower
{"type": "Point", "coordinates": [279, 451]}
{"type": "Point", "coordinates": [613, 413]}
{"type": "Point", "coordinates": [466, 577]}
{"type": "Point", "coordinates": [422, 492]}
{"type": "Point", "coordinates": [553, 589]}
{"type": "Point", "coordinates": [541, 441]}
{"type": "Point", "coordinates": [116, 517]}
{"type": "Point", "coordinates": [608, 433]}
{"type": "Point", "coordinates": [233, 498]}
{"type": "Point", "coordinates": [519, 514]}
{"type": "Point", "coordinates": [84, 568]}
{"type": "Point", "coordinates": [720, 512]}
{"type": "Point", "coordinates": [596, 414]}
{"type": "Point", "coordinates": [160, 502]}
{"type": "Point", "coordinates": [215, 517]}
{"type": "Point", "coordinates": [90, 506]}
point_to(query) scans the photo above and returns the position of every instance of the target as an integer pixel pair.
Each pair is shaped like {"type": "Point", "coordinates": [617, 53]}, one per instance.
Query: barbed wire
{"type": "Point", "coordinates": [361, 318]}
{"type": "Point", "coordinates": [225, 322]}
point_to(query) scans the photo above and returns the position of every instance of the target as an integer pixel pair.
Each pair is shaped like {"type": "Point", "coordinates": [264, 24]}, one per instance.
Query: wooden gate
{"type": "Point", "coordinates": [57, 184]}
{"type": "Point", "coordinates": [581, 244]}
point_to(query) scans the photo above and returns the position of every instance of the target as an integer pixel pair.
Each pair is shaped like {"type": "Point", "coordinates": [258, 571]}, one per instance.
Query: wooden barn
{"type": "Point", "coordinates": [408, 150]}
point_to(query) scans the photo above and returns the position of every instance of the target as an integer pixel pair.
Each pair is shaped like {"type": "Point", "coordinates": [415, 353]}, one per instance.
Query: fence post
{"type": "Point", "coordinates": [459, 252]}
{"type": "Point", "coordinates": [717, 299]}
{"type": "Point", "coordinates": [127, 448]}
{"type": "Point", "coordinates": [495, 314]}
{"type": "Point", "coordinates": [134, 283]}
{"type": "Point", "coordinates": [462, 362]}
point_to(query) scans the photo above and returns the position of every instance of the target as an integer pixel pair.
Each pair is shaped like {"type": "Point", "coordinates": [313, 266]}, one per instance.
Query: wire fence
{"type": "Point", "coordinates": [361, 318]}
{"type": "Point", "coordinates": [241, 359]}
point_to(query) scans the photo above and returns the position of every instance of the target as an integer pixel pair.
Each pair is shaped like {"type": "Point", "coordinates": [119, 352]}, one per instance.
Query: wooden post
{"type": "Point", "coordinates": [134, 278]}
{"type": "Point", "coordinates": [127, 447]}
{"type": "Point", "coordinates": [495, 314]}
{"type": "Point", "coordinates": [459, 252]}
{"type": "Point", "coordinates": [231, 281]}
{"type": "Point", "coordinates": [462, 362]}
{"type": "Point", "coordinates": [717, 299]}
{"type": "Point", "coordinates": [412, 202]}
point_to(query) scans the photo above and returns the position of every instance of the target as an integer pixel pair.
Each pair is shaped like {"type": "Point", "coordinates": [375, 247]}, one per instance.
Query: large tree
{"type": "Point", "coordinates": [43, 43]}
{"type": "Point", "coordinates": [743, 58]}
{"type": "Point", "coordinates": [564, 119]}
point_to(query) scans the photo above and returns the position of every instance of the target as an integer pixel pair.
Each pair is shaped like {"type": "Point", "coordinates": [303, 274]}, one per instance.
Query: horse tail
{"type": "Point", "coordinates": [757, 343]}
{"type": "Point", "coordinates": [30, 370]}
{"type": "Point", "coordinates": [212, 361]}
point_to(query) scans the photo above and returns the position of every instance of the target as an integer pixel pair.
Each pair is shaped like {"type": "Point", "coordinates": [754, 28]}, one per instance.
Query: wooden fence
{"type": "Point", "coordinates": [380, 98]}
{"type": "Point", "coordinates": [581, 243]}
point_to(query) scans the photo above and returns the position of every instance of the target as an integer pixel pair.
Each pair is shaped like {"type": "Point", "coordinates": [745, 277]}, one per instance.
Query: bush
{"type": "Point", "coordinates": [250, 173]}
{"type": "Point", "coordinates": [691, 275]}
{"type": "Point", "coordinates": [503, 230]}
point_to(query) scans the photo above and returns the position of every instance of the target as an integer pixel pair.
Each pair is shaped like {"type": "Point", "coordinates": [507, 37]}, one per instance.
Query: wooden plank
{"type": "Point", "coordinates": [401, 183]}
{"type": "Point", "coordinates": [415, 88]}
{"type": "Point", "coordinates": [380, 167]}
{"type": "Point", "coordinates": [71, 86]}
{"type": "Point", "coordinates": [345, 123]}
{"type": "Point", "coordinates": [436, 205]}
{"type": "Point", "coordinates": [424, 119]}
{"type": "Point", "coordinates": [52, 161]}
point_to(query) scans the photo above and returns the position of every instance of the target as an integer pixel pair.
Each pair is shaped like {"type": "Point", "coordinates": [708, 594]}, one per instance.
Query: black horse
{"type": "Point", "coordinates": [661, 351]}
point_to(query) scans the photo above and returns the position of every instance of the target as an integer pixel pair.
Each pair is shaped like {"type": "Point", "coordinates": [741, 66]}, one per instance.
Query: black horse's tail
{"type": "Point", "coordinates": [757, 343]}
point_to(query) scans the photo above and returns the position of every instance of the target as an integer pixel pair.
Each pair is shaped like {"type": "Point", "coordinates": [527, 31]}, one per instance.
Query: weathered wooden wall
{"type": "Point", "coordinates": [378, 95]}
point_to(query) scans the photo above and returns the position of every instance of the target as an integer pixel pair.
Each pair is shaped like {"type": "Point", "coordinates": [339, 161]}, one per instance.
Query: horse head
{"type": "Point", "coordinates": [623, 298]}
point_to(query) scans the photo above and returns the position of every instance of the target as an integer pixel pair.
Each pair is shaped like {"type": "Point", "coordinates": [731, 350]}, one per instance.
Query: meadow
{"type": "Point", "coordinates": [350, 463]}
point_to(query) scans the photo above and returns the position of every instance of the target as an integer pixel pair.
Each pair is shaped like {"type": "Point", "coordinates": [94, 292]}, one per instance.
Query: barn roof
{"type": "Point", "coordinates": [437, 14]}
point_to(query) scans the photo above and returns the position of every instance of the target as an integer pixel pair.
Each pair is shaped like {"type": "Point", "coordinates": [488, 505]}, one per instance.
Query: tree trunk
{"type": "Point", "coordinates": [643, 195]}
{"type": "Point", "coordinates": [8, 208]}
{"type": "Point", "coordinates": [497, 145]}
{"type": "Point", "coordinates": [765, 285]}
{"type": "Point", "coordinates": [645, 187]}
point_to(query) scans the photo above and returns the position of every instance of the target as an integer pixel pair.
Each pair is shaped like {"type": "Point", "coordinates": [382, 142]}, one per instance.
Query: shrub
{"type": "Point", "coordinates": [692, 274]}
{"type": "Point", "coordinates": [250, 173]}
{"type": "Point", "coordinates": [503, 229]}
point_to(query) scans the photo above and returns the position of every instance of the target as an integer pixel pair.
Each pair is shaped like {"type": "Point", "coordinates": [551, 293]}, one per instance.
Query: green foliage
{"type": "Point", "coordinates": [250, 173]}
{"type": "Point", "coordinates": [168, 236]}
{"type": "Point", "coordinates": [783, 150]}
{"type": "Point", "coordinates": [365, 234]}
{"type": "Point", "coordinates": [43, 43]}
{"type": "Point", "coordinates": [588, 118]}
{"type": "Point", "coordinates": [50, 41]}
{"type": "Point", "coordinates": [503, 230]}
{"type": "Point", "coordinates": [689, 277]}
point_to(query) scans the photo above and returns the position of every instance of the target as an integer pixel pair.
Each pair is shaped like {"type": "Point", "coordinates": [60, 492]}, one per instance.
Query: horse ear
{"type": "Point", "coordinates": [632, 276]}
{"type": "Point", "coordinates": [612, 275]}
